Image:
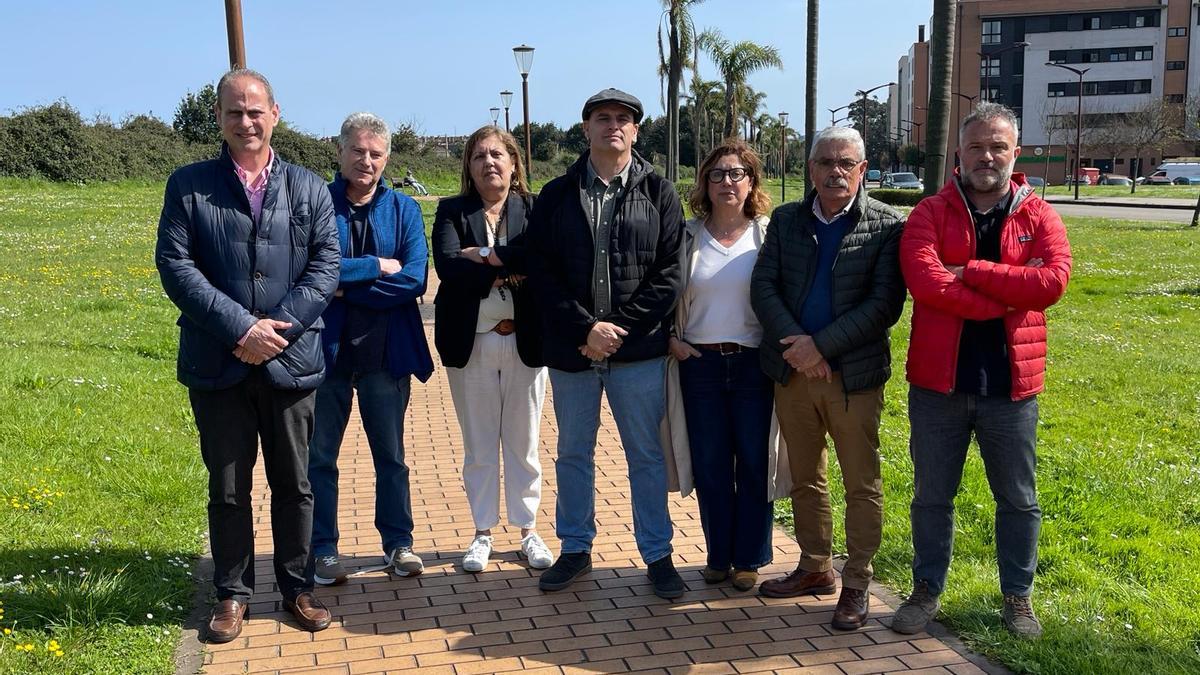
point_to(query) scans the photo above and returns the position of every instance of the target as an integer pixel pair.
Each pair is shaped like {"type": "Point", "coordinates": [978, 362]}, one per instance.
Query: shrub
{"type": "Point", "coordinates": [49, 142]}
{"type": "Point", "coordinates": [299, 148]}
{"type": "Point", "coordinates": [898, 197]}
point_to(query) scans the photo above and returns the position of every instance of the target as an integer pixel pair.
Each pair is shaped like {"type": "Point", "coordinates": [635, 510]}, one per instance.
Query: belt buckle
{"type": "Point", "coordinates": [733, 348]}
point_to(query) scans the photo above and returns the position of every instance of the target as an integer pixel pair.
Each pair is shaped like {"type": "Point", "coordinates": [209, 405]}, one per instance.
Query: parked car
{"type": "Point", "coordinates": [1168, 173]}
{"type": "Point", "coordinates": [902, 181]}
{"type": "Point", "coordinates": [1116, 180]}
{"type": "Point", "coordinates": [1187, 180]}
{"type": "Point", "coordinates": [1035, 181]}
{"type": "Point", "coordinates": [874, 174]}
{"type": "Point", "coordinates": [1157, 178]}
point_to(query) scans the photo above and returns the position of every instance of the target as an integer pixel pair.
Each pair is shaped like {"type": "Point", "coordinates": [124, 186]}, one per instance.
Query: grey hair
{"type": "Point", "coordinates": [986, 112]}
{"type": "Point", "coordinates": [838, 134]}
{"type": "Point", "coordinates": [237, 73]}
{"type": "Point", "coordinates": [364, 121]}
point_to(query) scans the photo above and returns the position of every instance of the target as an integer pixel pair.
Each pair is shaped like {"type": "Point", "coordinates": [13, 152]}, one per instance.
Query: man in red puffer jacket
{"type": "Point", "coordinates": [983, 260]}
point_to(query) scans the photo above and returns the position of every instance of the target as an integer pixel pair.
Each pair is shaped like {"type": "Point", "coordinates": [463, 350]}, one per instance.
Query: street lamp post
{"type": "Point", "coordinates": [1078, 123]}
{"type": "Point", "coordinates": [506, 101]}
{"type": "Point", "coordinates": [524, 56]}
{"type": "Point", "coordinates": [986, 94]}
{"type": "Point", "coordinates": [918, 126]}
{"type": "Point", "coordinates": [864, 93]}
{"type": "Point", "coordinates": [495, 115]}
{"type": "Point", "coordinates": [783, 117]}
{"type": "Point", "coordinates": [833, 113]}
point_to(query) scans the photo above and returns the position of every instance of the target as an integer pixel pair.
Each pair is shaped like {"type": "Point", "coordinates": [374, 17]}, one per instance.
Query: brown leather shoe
{"type": "Point", "coordinates": [225, 623]}
{"type": "Point", "coordinates": [799, 583]}
{"type": "Point", "coordinates": [309, 612]}
{"type": "Point", "coordinates": [851, 610]}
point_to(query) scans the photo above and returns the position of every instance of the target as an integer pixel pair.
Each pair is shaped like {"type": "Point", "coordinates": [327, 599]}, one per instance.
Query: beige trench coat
{"type": "Point", "coordinates": [673, 431]}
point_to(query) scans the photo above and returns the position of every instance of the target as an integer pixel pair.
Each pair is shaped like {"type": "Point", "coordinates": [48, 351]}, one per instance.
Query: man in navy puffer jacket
{"type": "Point", "coordinates": [248, 251]}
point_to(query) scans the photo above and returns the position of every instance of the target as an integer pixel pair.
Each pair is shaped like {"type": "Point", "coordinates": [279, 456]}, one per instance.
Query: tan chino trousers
{"type": "Point", "coordinates": [808, 410]}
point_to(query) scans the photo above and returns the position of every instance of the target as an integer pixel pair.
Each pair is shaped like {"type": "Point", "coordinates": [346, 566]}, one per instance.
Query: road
{"type": "Point", "coordinates": [1124, 213]}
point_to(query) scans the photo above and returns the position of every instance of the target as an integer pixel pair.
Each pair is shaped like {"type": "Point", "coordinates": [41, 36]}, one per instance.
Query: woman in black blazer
{"type": "Point", "coordinates": [486, 332]}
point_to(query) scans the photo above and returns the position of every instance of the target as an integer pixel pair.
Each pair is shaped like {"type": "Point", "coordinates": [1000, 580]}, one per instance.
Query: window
{"type": "Point", "coordinates": [1121, 55]}
{"type": "Point", "coordinates": [1059, 56]}
{"type": "Point", "coordinates": [1120, 21]}
{"type": "Point", "coordinates": [1176, 65]}
{"type": "Point", "coordinates": [1091, 57]}
{"type": "Point", "coordinates": [989, 66]}
{"type": "Point", "coordinates": [1056, 89]}
{"type": "Point", "coordinates": [1139, 21]}
{"type": "Point", "coordinates": [991, 32]}
{"type": "Point", "coordinates": [1091, 23]}
{"type": "Point", "coordinates": [1091, 88]}
{"type": "Point", "coordinates": [1143, 53]}
{"type": "Point", "coordinates": [1181, 31]}
{"type": "Point", "coordinates": [1142, 87]}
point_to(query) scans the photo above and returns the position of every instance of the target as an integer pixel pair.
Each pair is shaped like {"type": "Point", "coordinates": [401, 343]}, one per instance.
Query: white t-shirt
{"type": "Point", "coordinates": [718, 292]}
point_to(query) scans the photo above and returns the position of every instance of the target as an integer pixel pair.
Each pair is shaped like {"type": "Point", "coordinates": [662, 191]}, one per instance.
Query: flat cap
{"type": "Point", "coordinates": [614, 96]}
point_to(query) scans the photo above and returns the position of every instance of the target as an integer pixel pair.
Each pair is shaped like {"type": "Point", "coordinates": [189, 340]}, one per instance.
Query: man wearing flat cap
{"type": "Point", "coordinates": [606, 239]}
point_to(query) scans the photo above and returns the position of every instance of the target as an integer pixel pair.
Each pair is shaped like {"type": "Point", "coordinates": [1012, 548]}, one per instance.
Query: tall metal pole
{"type": "Point", "coordinates": [528, 142]}
{"type": "Point", "coordinates": [233, 27]}
{"type": "Point", "coordinates": [1078, 123]}
{"type": "Point", "coordinates": [783, 120]}
{"type": "Point", "coordinates": [506, 101]}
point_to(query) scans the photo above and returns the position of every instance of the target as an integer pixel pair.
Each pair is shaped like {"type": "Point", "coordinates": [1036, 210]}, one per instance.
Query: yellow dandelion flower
{"type": "Point", "coordinates": [58, 653]}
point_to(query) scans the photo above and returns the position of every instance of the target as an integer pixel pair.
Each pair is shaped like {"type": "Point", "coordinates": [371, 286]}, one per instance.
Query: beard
{"type": "Point", "coordinates": [990, 179]}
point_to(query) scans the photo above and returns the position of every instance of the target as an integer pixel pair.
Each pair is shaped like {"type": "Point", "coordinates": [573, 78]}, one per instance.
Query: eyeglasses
{"type": "Point", "coordinates": [845, 164]}
{"type": "Point", "coordinates": [736, 174]}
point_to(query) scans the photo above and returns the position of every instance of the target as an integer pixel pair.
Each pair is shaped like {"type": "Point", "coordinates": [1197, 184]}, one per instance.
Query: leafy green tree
{"type": "Point", "coordinates": [877, 121]}
{"type": "Point", "coordinates": [195, 118]}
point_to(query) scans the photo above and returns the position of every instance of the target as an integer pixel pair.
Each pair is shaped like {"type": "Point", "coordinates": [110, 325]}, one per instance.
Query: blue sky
{"type": "Point", "coordinates": [438, 64]}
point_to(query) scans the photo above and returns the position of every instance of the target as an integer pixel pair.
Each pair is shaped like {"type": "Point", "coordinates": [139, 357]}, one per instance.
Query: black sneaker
{"type": "Point", "coordinates": [329, 572]}
{"type": "Point", "coordinates": [667, 583]}
{"type": "Point", "coordinates": [565, 570]}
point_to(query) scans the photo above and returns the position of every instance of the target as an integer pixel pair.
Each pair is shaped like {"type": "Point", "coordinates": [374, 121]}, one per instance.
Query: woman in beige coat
{"type": "Point", "coordinates": [730, 448]}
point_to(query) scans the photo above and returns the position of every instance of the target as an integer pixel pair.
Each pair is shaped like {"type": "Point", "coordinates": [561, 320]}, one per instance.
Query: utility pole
{"type": "Point", "coordinates": [237, 40]}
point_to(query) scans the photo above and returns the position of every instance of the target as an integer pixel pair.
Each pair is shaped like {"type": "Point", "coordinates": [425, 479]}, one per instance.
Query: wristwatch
{"type": "Point", "coordinates": [485, 251]}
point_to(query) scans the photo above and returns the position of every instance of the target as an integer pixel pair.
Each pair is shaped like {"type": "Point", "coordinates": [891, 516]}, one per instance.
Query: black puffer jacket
{"type": "Point", "coordinates": [643, 263]}
{"type": "Point", "coordinates": [868, 290]}
{"type": "Point", "coordinates": [224, 272]}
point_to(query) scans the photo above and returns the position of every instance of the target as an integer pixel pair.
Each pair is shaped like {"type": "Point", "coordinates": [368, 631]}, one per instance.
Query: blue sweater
{"type": "Point", "coordinates": [817, 312]}
{"type": "Point", "coordinates": [398, 232]}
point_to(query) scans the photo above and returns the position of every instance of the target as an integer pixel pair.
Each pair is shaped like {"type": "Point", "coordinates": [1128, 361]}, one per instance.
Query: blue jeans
{"type": "Point", "coordinates": [636, 393]}
{"type": "Point", "coordinates": [382, 402]}
{"type": "Point", "coordinates": [728, 403]}
{"type": "Point", "coordinates": [1006, 431]}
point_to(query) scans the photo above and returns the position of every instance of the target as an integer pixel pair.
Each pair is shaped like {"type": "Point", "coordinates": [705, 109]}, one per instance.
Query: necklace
{"type": "Point", "coordinates": [726, 234]}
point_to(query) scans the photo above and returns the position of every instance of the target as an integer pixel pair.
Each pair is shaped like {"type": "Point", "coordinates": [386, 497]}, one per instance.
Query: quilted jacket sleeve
{"type": "Point", "coordinates": [313, 290]}
{"type": "Point", "coordinates": [927, 277]}
{"type": "Point", "coordinates": [655, 296]}
{"type": "Point", "coordinates": [766, 284]}
{"type": "Point", "coordinates": [186, 286]}
{"type": "Point", "coordinates": [1028, 288]}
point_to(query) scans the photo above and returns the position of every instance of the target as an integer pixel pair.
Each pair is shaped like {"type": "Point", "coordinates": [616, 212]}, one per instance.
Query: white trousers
{"type": "Point", "coordinates": [498, 400]}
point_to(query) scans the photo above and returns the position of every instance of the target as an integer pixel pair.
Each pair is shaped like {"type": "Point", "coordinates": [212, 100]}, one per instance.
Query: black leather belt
{"type": "Point", "coordinates": [724, 348]}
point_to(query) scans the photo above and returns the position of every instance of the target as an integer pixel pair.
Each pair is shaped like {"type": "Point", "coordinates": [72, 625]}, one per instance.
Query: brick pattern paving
{"type": "Point", "coordinates": [450, 621]}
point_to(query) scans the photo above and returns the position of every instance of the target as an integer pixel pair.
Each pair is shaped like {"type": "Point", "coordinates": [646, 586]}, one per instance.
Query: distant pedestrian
{"type": "Point", "coordinates": [827, 288]}
{"type": "Point", "coordinates": [247, 250]}
{"type": "Point", "coordinates": [984, 259]}
{"type": "Point", "coordinates": [488, 334]}
{"type": "Point", "coordinates": [605, 265]}
{"type": "Point", "coordinates": [411, 181]}
{"type": "Point", "coordinates": [374, 344]}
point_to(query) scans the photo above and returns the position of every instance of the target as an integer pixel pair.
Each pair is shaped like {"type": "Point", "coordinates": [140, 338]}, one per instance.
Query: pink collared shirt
{"type": "Point", "coordinates": [254, 193]}
{"type": "Point", "coordinates": [258, 189]}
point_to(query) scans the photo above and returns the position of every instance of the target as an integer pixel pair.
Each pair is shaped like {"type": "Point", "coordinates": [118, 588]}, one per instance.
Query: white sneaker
{"type": "Point", "coordinates": [404, 562]}
{"type": "Point", "coordinates": [476, 557]}
{"type": "Point", "coordinates": [536, 551]}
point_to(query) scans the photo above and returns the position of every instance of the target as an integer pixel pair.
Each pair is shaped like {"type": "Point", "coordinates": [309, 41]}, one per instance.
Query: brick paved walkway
{"type": "Point", "coordinates": [450, 621]}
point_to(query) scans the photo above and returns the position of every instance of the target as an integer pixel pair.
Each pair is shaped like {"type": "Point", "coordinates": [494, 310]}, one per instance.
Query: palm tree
{"type": "Point", "coordinates": [810, 82]}
{"type": "Point", "coordinates": [940, 76]}
{"type": "Point", "coordinates": [736, 62]}
{"type": "Point", "coordinates": [750, 103]}
{"type": "Point", "coordinates": [676, 22]}
{"type": "Point", "coordinates": [704, 94]}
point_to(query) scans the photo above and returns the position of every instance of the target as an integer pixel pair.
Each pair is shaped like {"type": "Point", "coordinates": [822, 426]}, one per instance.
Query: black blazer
{"type": "Point", "coordinates": [459, 224]}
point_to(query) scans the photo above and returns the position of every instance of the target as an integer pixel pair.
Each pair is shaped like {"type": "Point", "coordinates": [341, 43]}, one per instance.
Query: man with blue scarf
{"type": "Point", "coordinates": [374, 343]}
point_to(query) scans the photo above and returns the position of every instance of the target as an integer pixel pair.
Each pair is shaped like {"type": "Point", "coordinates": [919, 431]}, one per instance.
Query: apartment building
{"type": "Point", "coordinates": [1134, 51]}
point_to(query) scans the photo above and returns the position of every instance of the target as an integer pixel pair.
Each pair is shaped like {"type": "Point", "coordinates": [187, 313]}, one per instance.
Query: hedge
{"type": "Point", "coordinates": [898, 197]}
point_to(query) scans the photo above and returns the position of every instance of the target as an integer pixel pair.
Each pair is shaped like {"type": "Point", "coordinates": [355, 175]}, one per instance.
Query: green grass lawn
{"type": "Point", "coordinates": [102, 487]}
{"type": "Point", "coordinates": [1143, 191]}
